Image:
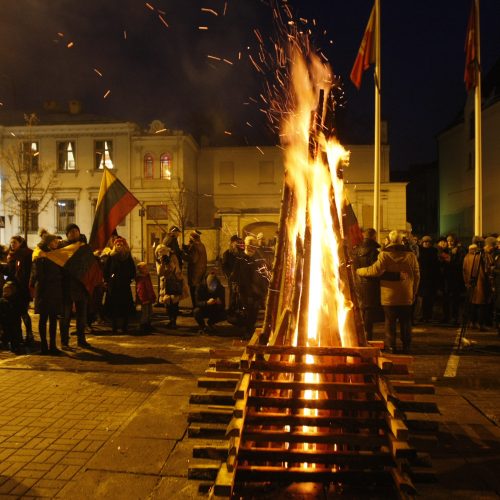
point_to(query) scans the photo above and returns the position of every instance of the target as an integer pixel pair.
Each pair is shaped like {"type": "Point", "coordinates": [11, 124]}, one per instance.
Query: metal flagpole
{"type": "Point", "coordinates": [478, 177]}
{"type": "Point", "coordinates": [377, 144]}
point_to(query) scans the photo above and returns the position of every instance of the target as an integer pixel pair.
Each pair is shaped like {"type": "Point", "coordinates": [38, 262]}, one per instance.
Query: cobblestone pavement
{"type": "Point", "coordinates": [111, 421]}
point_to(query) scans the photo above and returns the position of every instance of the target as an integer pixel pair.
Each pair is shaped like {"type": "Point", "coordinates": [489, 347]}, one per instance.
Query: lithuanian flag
{"type": "Point", "coordinates": [79, 261]}
{"type": "Point", "coordinates": [115, 201]}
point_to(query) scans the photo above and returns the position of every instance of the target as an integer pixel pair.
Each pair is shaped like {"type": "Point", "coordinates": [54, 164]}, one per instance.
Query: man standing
{"type": "Point", "coordinates": [74, 292]}
{"type": "Point", "coordinates": [369, 288]}
{"type": "Point", "coordinates": [397, 297]}
{"type": "Point", "coordinates": [172, 241]}
{"type": "Point", "coordinates": [229, 259]}
{"type": "Point", "coordinates": [196, 256]}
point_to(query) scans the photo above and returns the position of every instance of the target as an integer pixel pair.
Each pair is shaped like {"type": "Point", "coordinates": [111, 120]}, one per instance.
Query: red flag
{"type": "Point", "coordinates": [352, 231]}
{"type": "Point", "coordinates": [115, 201]}
{"type": "Point", "coordinates": [471, 62]}
{"type": "Point", "coordinates": [366, 52]}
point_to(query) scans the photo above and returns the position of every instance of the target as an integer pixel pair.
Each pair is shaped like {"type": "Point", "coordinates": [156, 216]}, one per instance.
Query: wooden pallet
{"type": "Point", "coordinates": [365, 425]}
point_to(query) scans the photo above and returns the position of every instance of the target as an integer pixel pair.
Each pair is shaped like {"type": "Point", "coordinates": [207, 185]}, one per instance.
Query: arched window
{"type": "Point", "coordinates": [148, 166]}
{"type": "Point", "coordinates": [166, 166]}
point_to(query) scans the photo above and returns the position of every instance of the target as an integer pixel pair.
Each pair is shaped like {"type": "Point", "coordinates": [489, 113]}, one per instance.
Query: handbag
{"type": "Point", "coordinates": [173, 286]}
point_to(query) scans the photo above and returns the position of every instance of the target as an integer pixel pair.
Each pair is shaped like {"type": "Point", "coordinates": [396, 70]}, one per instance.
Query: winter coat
{"type": "Point", "coordinates": [18, 269]}
{"type": "Point", "coordinates": [229, 258]}
{"type": "Point", "coordinates": [251, 278]}
{"type": "Point", "coordinates": [477, 272]}
{"type": "Point", "coordinates": [73, 289]}
{"type": "Point", "coordinates": [429, 271]}
{"type": "Point", "coordinates": [196, 256]}
{"type": "Point", "coordinates": [168, 269]}
{"type": "Point", "coordinates": [203, 294]}
{"type": "Point", "coordinates": [395, 259]}
{"type": "Point", "coordinates": [453, 270]}
{"type": "Point", "coordinates": [11, 310]}
{"type": "Point", "coordinates": [172, 242]}
{"type": "Point", "coordinates": [47, 280]}
{"type": "Point", "coordinates": [119, 271]}
{"type": "Point", "coordinates": [369, 288]}
{"type": "Point", "coordinates": [144, 291]}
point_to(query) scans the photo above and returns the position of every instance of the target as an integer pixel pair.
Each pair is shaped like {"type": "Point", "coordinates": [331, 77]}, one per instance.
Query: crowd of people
{"type": "Point", "coordinates": [406, 280]}
{"type": "Point", "coordinates": [402, 281]}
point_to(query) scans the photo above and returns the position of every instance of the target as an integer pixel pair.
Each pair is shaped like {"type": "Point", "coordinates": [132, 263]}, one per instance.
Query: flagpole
{"type": "Point", "coordinates": [377, 142]}
{"type": "Point", "coordinates": [478, 181]}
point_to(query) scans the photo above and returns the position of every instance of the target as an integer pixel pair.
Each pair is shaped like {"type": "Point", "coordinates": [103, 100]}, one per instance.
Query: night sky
{"type": "Point", "coordinates": [57, 49]}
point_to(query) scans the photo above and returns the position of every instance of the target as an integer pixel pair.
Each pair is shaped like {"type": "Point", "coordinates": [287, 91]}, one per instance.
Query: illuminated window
{"type": "Point", "coordinates": [65, 214]}
{"type": "Point", "coordinates": [104, 154]}
{"type": "Point", "coordinates": [29, 155]}
{"type": "Point", "coordinates": [148, 166]}
{"type": "Point", "coordinates": [66, 159]}
{"type": "Point", "coordinates": [165, 166]}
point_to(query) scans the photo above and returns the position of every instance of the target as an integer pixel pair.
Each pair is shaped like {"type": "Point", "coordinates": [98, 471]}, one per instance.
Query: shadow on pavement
{"type": "Point", "coordinates": [103, 355]}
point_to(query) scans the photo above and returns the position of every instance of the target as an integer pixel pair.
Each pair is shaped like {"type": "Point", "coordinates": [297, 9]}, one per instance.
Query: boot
{"type": "Point", "coordinates": [44, 348]}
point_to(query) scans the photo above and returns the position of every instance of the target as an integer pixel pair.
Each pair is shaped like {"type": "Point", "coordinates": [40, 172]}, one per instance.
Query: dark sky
{"type": "Point", "coordinates": [155, 71]}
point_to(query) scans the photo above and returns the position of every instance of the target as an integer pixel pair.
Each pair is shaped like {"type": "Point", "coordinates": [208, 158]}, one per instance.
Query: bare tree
{"type": "Point", "coordinates": [31, 186]}
{"type": "Point", "coordinates": [180, 206]}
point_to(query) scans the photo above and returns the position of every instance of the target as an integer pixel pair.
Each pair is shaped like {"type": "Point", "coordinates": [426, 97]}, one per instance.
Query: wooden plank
{"type": "Point", "coordinates": [211, 415]}
{"type": "Point", "coordinates": [288, 367]}
{"type": "Point", "coordinates": [227, 364]}
{"type": "Point", "coordinates": [226, 353]}
{"type": "Point", "coordinates": [379, 344]}
{"type": "Point", "coordinates": [363, 352]}
{"type": "Point", "coordinates": [402, 481]}
{"type": "Point", "coordinates": [239, 409]}
{"type": "Point", "coordinates": [417, 406]}
{"type": "Point", "coordinates": [410, 387]}
{"type": "Point", "coordinates": [214, 452]}
{"type": "Point", "coordinates": [260, 473]}
{"type": "Point", "coordinates": [321, 404]}
{"type": "Point", "coordinates": [398, 428]}
{"type": "Point", "coordinates": [363, 441]}
{"type": "Point", "coordinates": [212, 373]}
{"type": "Point", "coordinates": [234, 428]}
{"type": "Point", "coordinates": [206, 430]}
{"type": "Point", "coordinates": [356, 458]}
{"type": "Point", "coordinates": [329, 387]}
{"type": "Point", "coordinates": [384, 364]}
{"type": "Point", "coordinates": [281, 419]}
{"type": "Point", "coordinates": [215, 398]}
{"type": "Point", "coordinates": [241, 390]}
{"type": "Point", "coordinates": [203, 472]}
{"type": "Point", "coordinates": [224, 482]}
{"type": "Point", "coordinates": [218, 383]}
{"type": "Point", "coordinates": [247, 355]}
{"type": "Point", "coordinates": [401, 448]}
{"type": "Point", "coordinates": [420, 423]}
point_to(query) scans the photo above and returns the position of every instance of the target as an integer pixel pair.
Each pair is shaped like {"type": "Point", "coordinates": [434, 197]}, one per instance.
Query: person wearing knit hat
{"type": "Point", "coordinates": [70, 227]}
{"type": "Point", "coordinates": [210, 303]}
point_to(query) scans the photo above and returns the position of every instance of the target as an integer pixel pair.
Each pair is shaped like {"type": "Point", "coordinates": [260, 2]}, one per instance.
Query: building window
{"type": "Point", "coordinates": [166, 166]}
{"type": "Point", "coordinates": [266, 172]}
{"type": "Point", "coordinates": [29, 155]}
{"type": "Point", "coordinates": [66, 151]}
{"type": "Point", "coordinates": [103, 154]}
{"type": "Point", "coordinates": [226, 172]}
{"type": "Point", "coordinates": [148, 166]}
{"type": "Point", "coordinates": [156, 212]}
{"type": "Point", "coordinates": [29, 215]}
{"type": "Point", "coordinates": [65, 214]}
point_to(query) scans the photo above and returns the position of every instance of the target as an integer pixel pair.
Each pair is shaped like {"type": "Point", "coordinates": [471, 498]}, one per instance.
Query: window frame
{"type": "Point", "coordinates": [32, 217]}
{"type": "Point", "coordinates": [34, 163]}
{"type": "Point", "coordinates": [63, 153]}
{"type": "Point", "coordinates": [61, 226]}
{"type": "Point", "coordinates": [166, 161]}
{"type": "Point", "coordinates": [148, 163]}
{"type": "Point", "coordinates": [99, 164]}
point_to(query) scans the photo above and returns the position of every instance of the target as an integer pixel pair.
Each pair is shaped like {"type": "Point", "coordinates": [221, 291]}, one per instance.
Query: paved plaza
{"type": "Point", "coordinates": [111, 422]}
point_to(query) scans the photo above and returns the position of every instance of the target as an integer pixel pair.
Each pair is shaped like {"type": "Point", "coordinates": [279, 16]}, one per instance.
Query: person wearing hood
{"type": "Point", "coordinates": [369, 288]}
{"type": "Point", "coordinates": [46, 279]}
{"type": "Point", "coordinates": [119, 271]}
{"type": "Point", "coordinates": [196, 257]}
{"type": "Point", "coordinates": [210, 302]}
{"type": "Point", "coordinates": [397, 297]}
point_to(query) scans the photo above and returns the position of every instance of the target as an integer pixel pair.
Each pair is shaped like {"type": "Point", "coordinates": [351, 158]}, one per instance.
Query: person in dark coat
{"type": "Point", "coordinates": [453, 286]}
{"type": "Point", "coordinates": [119, 271]}
{"type": "Point", "coordinates": [252, 280]}
{"type": "Point", "coordinates": [429, 277]}
{"type": "Point", "coordinates": [369, 288]}
{"type": "Point", "coordinates": [496, 284]}
{"type": "Point", "coordinates": [46, 279]}
{"type": "Point", "coordinates": [229, 258]}
{"type": "Point", "coordinates": [196, 256]}
{"type": "Point", "coordinates": [11, 310]}
{"type": "Point", "coordinates": [18, 269]}
{"type": "Point", "coordinates": [210, 302]}
{"type": "Point", "coordinates": [74, 293]}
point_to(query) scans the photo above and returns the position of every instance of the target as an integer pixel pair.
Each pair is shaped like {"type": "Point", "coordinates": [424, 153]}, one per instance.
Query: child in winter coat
{"type": "Point", "coordinates": [145, 296]}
